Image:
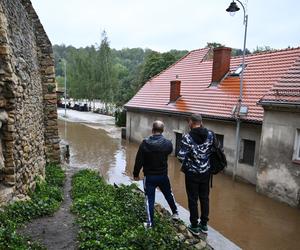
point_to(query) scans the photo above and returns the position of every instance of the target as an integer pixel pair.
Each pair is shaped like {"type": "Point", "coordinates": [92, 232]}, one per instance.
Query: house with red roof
{"type": "Point", "coordinates": [207, 81]}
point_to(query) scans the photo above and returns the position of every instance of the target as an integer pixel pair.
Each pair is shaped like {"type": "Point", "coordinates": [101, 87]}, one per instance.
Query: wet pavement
{"type": "Point", "coordinates": [249, 219]}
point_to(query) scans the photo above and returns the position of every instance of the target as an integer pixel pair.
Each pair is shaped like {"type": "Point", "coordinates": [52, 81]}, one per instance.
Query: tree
{"type": "Point", "coordinates": [213, 45]}
{"type": "Point", "coordinates": [262, 49]}
{"type": "Point", "coordinates": [113, 76]}
{"type": "Point", "coordinates": [239, 52]}
{"type": "Point", "coordinates": [105, 72]}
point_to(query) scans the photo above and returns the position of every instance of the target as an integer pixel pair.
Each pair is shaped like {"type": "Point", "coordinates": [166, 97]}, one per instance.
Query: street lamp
{"type": "Point", "coordinates": [65, 83]}
{"type": "Point", "coordinates": [232, 9]}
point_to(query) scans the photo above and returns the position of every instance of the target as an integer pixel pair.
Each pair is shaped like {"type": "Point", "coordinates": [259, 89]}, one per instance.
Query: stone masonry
{"type": "Point", "coordinates": [28, 115]}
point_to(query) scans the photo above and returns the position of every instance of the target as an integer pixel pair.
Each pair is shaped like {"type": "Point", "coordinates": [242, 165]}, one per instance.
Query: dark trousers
{"type": "Point", "coordinates": [197, 187]}
{"type": "Point", "coordinates": [151, 182]}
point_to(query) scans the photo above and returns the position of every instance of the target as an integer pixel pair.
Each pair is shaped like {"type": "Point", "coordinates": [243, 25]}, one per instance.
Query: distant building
{"type": "Point", "coordinates": [207, 82]}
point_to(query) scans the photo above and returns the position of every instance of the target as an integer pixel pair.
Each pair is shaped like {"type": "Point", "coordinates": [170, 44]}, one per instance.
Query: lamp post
{"type": "Point", "coordinates": [65, 64]}
{"type": "Point", "coordinates": [232, 9]}
{"type": "Point", "coordinates": [65, 83]}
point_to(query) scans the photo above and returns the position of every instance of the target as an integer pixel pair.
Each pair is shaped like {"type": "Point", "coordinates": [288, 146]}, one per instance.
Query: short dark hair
{"type": "Point", "coordinates": [196, 118]}
{"type": "Point", "coordinates": [158, 126]}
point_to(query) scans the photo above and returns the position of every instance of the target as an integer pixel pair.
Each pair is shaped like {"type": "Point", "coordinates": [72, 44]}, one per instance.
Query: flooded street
{"type": "Point", "coordinates": [247, 218]}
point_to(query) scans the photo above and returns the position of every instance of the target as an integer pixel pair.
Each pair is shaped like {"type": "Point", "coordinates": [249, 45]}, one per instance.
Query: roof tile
{"type": "Point", "coordinates": [280, 69]}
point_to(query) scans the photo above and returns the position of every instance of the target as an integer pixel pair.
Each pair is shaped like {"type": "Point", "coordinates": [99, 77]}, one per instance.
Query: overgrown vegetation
{"type": "Point", "coordinates": [112, 218]}
{"type": "Point", "coordinates": [120, 118]}
{"type": "Point", "coordinates": [45, 200]}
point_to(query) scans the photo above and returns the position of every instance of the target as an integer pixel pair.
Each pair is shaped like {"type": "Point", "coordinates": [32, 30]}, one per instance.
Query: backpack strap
{"type": "Point", "coordinates": [211, 175]}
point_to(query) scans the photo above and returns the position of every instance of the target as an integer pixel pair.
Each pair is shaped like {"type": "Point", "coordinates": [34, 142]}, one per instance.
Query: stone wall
{"type": "Point", "coordinates": [28, 115]}
{"type": "Point", "coordinates": [278, 174]}
{"type": "Point", "coordinates": [139, 125]}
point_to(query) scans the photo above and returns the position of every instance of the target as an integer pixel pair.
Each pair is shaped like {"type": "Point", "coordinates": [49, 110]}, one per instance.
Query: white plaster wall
{"type": "Point", "coordinates": [139, 126]}
{"type": "Point", "coordinates": [278, 176]}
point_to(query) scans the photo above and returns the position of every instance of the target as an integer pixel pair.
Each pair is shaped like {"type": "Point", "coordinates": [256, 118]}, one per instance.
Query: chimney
{"type": "Point", "coordinates": [221, 63]}
{"type": "Point", "coordinates": [174, 90]}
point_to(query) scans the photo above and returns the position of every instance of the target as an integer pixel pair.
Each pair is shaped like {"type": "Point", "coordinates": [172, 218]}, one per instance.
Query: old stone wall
{"type": "Point", "coordinates": [29, 134]}
{"type": "Point", "coordinates": [278, 174]}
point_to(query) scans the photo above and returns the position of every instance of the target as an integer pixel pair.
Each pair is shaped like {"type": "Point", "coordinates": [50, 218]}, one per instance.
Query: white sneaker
{"type": "Point", "coordinates": [147, 225]}
{"type": "Point", "coordinates": [175, 216]}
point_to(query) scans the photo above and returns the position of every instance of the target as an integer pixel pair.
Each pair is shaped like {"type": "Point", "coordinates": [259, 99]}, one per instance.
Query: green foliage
{"type": "Point", "coordinates": [113, 76]}
{"type": "Point", "coordinates": [120, 118]}
{"type": "Point", "coordinates": [259, 49]}
{"type": "Point", "coordinates": [112, 218]}
{"type": "Point", "coordinates": [239, 52]}
{"type": "Point", "coordinates": [234, 52]}
{"type": "Point", "coordinates": [45, 200]}
{"type": "Point", "coordinates": [214, 45]}
{"type": "Point", "coordinates": [60, 81]}
{"type": "Point", "coordinates": [50, 88]}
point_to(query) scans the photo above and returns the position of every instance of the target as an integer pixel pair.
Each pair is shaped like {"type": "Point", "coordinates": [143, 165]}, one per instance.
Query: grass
{"type": "Point", "coordinates": [112, 218]}
{"type": "Point", "coordinates": [45, 200]}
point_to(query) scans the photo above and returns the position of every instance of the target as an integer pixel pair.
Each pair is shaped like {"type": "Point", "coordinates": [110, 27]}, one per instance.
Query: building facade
{"type": "Point", "coordinates": [208, 83]}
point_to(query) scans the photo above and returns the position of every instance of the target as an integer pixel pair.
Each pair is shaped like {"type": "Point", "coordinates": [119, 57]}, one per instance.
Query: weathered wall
{"type": "Point", "coordinates": [139, 126]}
{"type": "Point", "coordinates": [29, 134]}
{"type": "Point", "coordinates": [278, 176]}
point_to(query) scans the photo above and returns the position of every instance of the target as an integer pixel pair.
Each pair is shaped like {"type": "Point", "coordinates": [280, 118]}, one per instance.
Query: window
{"type": "Point", "coordinates": [178, 142]}
{"type": "Point", "coordinates": [297, 146]}
{"type": "Point", "coordinates": [247, 152]}
{"type": "Point", "coordinates": [220, 139]}
{"type": "Point", "coordinates": [238, 70]}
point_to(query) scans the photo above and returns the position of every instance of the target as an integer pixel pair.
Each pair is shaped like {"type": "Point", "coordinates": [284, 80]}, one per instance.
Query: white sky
{"type": "Point", "coordinates": [169, 24]}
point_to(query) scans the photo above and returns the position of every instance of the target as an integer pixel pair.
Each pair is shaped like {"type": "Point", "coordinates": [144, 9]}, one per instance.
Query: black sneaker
{"type": "Point", "coordinates": [194, 230]}
{"type": "Point", "coordinates": [203, 228]}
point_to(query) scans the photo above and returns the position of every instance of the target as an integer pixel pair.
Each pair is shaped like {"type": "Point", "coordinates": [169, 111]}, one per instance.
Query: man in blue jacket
{"type": "Point", "coordinates": [152, 156]}
{"type": "Point", "coordinates": [194, 154]}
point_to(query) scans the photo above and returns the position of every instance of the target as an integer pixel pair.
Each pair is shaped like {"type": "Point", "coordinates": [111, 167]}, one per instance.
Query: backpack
{"type": "Point", "coordinates": [217, 158]}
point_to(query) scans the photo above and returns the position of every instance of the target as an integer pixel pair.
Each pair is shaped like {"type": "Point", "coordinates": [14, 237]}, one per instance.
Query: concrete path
{"type": "Point", "coordinates": [57, 232]}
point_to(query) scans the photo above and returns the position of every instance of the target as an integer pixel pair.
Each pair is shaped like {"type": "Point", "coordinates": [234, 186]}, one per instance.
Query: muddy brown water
{"type": "Point", "coordinates": [247, 218]}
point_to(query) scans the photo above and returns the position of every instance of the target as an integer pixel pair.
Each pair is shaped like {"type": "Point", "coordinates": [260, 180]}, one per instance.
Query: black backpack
{"type": "Point", "coordinates": [217, 158]}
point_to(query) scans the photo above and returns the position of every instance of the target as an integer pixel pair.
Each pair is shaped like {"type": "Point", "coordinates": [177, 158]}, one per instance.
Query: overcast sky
{"type": "Point", "coordinates": [169, 24]}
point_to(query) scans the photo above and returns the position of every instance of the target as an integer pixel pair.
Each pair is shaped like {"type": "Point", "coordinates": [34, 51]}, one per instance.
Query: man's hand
{"type": "Point", "coordinates": [136, 178]}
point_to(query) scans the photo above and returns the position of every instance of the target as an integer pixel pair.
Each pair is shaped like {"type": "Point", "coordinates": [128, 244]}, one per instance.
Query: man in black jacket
{"type": "Point", "coordinates": [194, 154]}
{"type": "Point", "coordinates": [152, 156]}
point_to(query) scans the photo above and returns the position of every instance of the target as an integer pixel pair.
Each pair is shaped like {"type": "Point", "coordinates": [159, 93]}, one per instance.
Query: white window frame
{"type": "Point", "coordinates": [296, 155]}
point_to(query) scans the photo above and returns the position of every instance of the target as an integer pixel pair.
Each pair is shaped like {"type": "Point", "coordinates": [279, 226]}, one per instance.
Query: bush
{"type": "Point", "coordinates": [45, 200]}
{"type": "Point", "coordinates": [112, 218]}
{"type": "Point", "coordinates": [120, 118]}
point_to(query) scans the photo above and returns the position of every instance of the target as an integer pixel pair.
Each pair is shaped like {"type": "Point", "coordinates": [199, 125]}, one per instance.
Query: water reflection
{"type": "Point", "coordinates": [247, 218]}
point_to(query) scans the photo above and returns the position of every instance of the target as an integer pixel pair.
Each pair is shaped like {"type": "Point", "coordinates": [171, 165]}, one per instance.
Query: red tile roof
{"type": "Point", "coordinates": [262, 72]}
{"type": "Point", "coordinates": [287, 89]}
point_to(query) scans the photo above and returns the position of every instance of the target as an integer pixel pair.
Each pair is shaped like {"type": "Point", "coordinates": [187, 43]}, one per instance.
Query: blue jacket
{"type": "Point", "coordinates": [195, 151]}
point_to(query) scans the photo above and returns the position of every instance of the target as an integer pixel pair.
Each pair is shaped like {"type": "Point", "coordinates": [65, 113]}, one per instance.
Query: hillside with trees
{"type": "Point", "coordinates": [114, 76]}
{"type": "Point", "coordinates": [110, 75]}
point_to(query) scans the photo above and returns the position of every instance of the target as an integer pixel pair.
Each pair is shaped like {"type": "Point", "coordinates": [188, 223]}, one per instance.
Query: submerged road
{"type": "Point", "coordinates": [247, 218]}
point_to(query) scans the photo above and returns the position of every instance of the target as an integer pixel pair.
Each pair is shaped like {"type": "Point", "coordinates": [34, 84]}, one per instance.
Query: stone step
{"type": "Point", "coordinates": [6, 194]}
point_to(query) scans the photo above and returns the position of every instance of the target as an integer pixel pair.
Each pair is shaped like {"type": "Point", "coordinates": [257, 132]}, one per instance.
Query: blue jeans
{"type": "Point", "coordinates": [151, 182]}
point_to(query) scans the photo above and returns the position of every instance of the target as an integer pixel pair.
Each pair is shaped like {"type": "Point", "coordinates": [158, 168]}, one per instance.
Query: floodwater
{"type": "Point", "coordinates": [250, 220]}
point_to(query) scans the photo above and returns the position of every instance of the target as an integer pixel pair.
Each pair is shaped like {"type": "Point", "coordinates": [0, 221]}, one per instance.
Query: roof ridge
{"type": "Point", "coordinates": [284, 81]}
{"type": "Point", "coordinates": [268, 52]}
{"type": "Point", "coordinates": [199, 49]}
{"type": "Point", "coordinates": [179, 60]}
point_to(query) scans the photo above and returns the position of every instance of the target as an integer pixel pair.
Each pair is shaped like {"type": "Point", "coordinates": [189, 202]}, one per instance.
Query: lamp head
{"type": "Point", "coordinates": [232, 8]}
